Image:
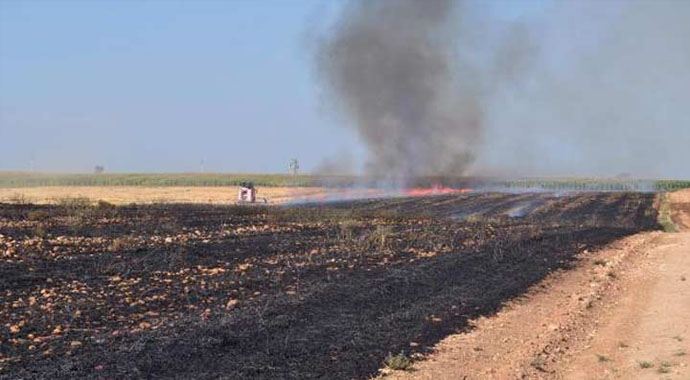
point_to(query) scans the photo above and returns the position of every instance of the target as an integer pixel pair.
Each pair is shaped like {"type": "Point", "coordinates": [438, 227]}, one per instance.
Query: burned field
{"type": "Point", "coordinates": [307, 291]}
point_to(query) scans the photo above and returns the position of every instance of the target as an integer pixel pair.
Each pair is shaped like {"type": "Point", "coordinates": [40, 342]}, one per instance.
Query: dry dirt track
{"type": "Point", "coordinates": [651, 322]}
{"type": "Point", "coordinates": [622, 309]}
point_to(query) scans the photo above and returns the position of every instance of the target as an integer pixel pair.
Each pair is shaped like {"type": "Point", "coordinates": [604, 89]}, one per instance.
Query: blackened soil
{"type": "Point", "coordinates": [313, 291]}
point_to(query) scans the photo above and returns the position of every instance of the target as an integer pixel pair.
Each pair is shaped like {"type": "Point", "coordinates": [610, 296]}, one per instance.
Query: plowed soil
{"type": "Point", "coordinates": [308, 291]}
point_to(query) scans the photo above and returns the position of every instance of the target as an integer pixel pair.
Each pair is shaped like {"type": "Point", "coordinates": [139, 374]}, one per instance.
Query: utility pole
{"type": "Point", "coordinates": [293, 166]}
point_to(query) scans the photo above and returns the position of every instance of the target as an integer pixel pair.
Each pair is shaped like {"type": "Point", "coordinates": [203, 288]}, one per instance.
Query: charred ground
{"type": "Point", "coordinates": [277, 292]}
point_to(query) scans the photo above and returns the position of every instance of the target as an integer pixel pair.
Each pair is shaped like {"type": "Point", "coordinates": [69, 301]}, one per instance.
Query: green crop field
{"type": "Point", "coordinates": [20, 179]}
{"type": "Point", "coordinates": [24, 179]}
{"type": "Point", "coordinates": [575, 184]}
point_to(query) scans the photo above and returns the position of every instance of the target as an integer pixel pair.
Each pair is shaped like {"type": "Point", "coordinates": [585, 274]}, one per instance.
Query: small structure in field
{"type": "Point", "coordinates": [293, 166]}
{"type": "Point", "coordinates": [247, 192]}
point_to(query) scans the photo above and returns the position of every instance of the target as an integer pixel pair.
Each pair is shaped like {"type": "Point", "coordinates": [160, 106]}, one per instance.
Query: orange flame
{"type": "Point", "coordinates": [354, 194]}
{"type": "Point", "coordinates": [434, 190]}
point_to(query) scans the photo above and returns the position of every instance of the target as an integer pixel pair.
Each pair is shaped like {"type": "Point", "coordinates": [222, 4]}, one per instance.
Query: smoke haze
{"type": "Point", "coordinates": [446, 88]}
{"type": "Point", "coordinates": [389, 64]}
{"type": "Point", "coordinates": [340, 163]}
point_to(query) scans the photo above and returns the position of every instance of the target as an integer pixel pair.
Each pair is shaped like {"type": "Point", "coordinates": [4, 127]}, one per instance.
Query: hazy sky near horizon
{"type": "Point", "coordinates": [167, 85]}
{"type": "Point", "coordinates": [230, 86]}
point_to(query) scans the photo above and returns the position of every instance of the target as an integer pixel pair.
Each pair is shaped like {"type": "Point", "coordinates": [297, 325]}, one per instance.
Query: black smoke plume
{"type": "Point", "coordinates": [391, 67]}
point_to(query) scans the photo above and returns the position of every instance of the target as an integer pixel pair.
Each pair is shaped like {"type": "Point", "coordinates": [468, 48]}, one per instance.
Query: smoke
{"type": "Point", "coordinates": [605, 93]}
{"type": "Point", "coordinates": [390, 66]}
{"type": "Point", "coordinates": [341, 163]}
{"type": "Point", "coordinates": [442, 87]}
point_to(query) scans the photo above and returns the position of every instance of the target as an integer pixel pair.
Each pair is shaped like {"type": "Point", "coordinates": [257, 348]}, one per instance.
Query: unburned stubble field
{"type": "Point", "coordinates": [124, 195]}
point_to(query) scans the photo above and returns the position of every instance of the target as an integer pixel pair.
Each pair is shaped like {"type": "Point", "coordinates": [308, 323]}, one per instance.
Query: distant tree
{"type": "Point", "coordinates": [293, 166]}
{"type": "Point", "coordinates": [98, 169]}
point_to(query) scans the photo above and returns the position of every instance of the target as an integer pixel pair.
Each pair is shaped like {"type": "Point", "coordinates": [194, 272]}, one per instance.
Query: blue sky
{"type": "Point", "coordinates": [163, 85]}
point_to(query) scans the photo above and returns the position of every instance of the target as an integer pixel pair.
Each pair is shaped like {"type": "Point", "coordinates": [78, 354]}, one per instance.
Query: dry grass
{"type": "Point", "coordinates": [665, 219]}
{"type": "Point", "coordinates": [603, 358]}
{"type": "Point", "coordinates": [119, 195]}
{"type": "Point", "coordinates": [399, 362]}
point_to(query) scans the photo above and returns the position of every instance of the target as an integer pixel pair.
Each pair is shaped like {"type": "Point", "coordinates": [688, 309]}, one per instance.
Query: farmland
{"type": "Point", "coordinates": [23, 179]}
{"type": "Point", "coordinates": [306, 291]}
{"type": "Point", "coordinates": [29, 179]}
{"type": "Point", "coordinates": [124, 195]}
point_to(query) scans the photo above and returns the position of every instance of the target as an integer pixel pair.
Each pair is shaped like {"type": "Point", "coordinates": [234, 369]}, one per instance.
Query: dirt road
{"type": "Point", "coordinates": [623, 313]}
{"type": "Point", "coordinates": [650, 326]}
